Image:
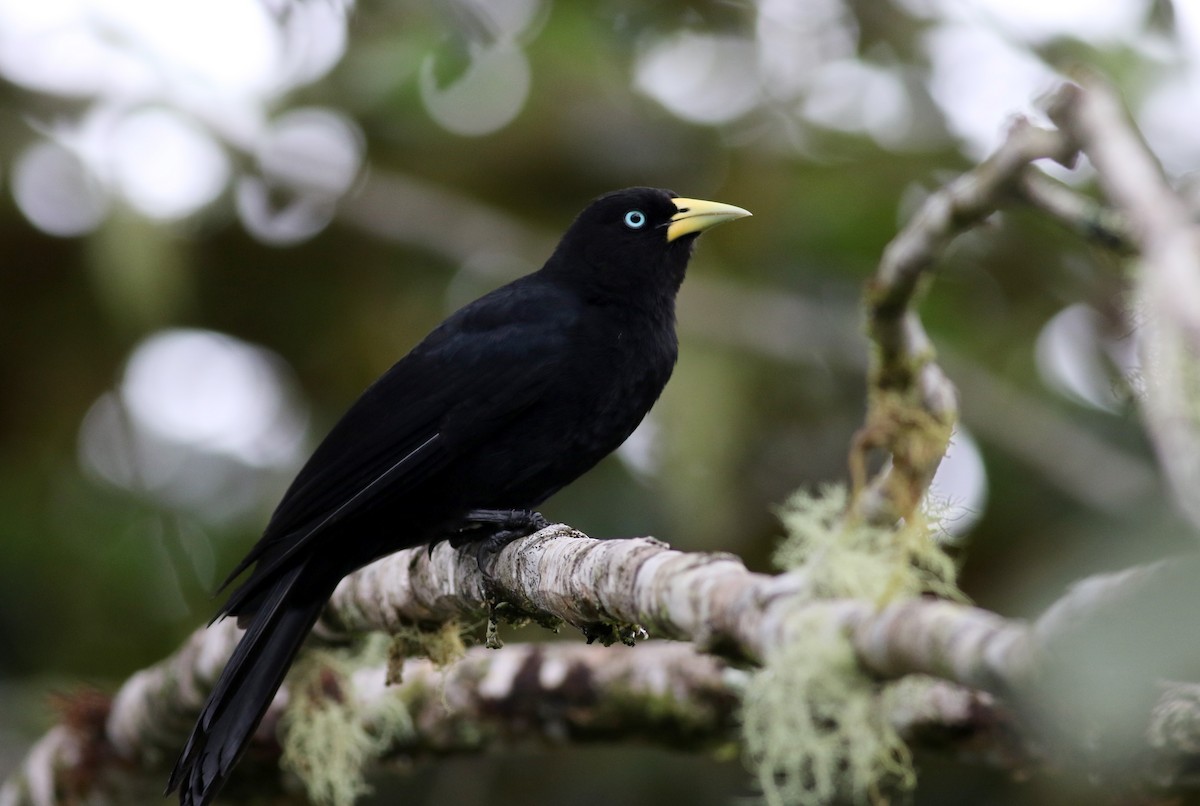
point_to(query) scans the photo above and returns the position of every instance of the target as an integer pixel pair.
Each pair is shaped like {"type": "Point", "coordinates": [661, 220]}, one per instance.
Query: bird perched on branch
{"type": "Point", "coordinates": [511, 398]}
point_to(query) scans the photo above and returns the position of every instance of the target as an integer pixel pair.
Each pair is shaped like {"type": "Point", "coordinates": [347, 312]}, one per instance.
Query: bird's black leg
{"type": "Point", "coordinates": [492, 529]}
{"type": "Point", "coordinates": [526, 521]}
{"type": "Point", "coordinates": [498, 527]}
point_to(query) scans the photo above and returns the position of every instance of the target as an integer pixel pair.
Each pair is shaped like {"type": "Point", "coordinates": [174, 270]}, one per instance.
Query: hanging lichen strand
{"type": "Point", "coordinates": [814, 733]}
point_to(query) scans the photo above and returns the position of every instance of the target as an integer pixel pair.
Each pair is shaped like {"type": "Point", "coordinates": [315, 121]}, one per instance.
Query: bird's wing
{"type": "Point", "coordinates": [482, 366]}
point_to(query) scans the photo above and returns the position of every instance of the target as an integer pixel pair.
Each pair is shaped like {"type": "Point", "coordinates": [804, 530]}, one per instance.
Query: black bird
{"type": "Point", "coordinates": [508, 400]}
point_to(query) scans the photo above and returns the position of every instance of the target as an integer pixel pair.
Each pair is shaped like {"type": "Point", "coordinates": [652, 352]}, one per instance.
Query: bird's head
{"type": "Point", "coordinates": [638, 235]}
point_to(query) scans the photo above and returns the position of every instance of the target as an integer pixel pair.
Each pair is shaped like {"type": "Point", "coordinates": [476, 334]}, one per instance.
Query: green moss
{"type": "Point", "coordinates": [667, 719]}
{"type": "Point", "coordinates": [326, 743]}
{"type": "Point", "coordinates": [853, 559]}
{"type": "Point", "coordinates": [443, 645]}
{"type": "Point", "coordinates": [915, 437]}
{"type": "Point", "coordinates": [814, 733]}
{"type": "Point", "coordinates": [516, 614]}
{"type": "Point", "coordinates": [607, 633]}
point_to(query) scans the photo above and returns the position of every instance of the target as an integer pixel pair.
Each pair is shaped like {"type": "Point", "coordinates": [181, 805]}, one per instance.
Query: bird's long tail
{"type": "Point", "coordinates": [245, 690]}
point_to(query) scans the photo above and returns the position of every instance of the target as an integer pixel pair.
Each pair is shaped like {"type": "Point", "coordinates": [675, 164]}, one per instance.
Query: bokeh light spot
{"type": "Point", "coordinates": [166, 166]}
{"type": "Point", "coordinates": [56, 192]}
{"type": "Point", "coordinates": [979, 81]}
{"type": "Point", "coordinates": [198, 422]}
{"type": "Point", "coordinates": [314, 38]}
{"type": "Point", "coordinates": [230, 45]}
{"type": "Point", "coordinates": [315, 150]}
{"type": "Point", "coordinates": [280, 217]}
{"type": "Point", "coordinates": [796, 39]}
{"type": "Point", "coordinates": [209, 390]}
{"type": "Point", "coordinates": [486, 97]}
{"type": "Point", "coordinates": [857, 97]}
{"type": "Point", "coordinates": [959, 490]}
{"type": "Point", "coordinates": [641, 452]}
{"type": "Point", "coordinates": [700, 77]}
{"type": "Point", "coordinates": [1077, 360]}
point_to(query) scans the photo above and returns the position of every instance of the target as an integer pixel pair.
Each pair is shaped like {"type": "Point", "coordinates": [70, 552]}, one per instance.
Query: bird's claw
{"type": "Point", "coordinates": [527, 520]}
{"type": "Point", "coordinates": [497, 525]}
{"type": "Point", "coordinates": [490, 530]}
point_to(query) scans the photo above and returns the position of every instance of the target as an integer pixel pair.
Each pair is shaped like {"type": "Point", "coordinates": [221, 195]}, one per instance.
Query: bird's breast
{"type": "Point", "coordinates": [617, 377]}
{"type": "Point", "coordinates": [602, 389]}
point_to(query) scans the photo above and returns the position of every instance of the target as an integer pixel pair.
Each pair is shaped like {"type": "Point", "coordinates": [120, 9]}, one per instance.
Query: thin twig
{"type": "Point", "coordinates": [1084, 216]}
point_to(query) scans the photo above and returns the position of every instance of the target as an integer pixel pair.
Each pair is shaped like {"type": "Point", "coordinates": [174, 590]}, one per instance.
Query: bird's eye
{"type": "Point", "coordinates": [635, 219]}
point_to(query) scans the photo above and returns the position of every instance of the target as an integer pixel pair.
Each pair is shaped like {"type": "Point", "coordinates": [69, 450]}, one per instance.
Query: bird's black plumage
{"type": "Point", "coordinates": [511, 398]}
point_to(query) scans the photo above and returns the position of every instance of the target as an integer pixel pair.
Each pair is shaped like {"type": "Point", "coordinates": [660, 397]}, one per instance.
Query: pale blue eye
{"type": "Point", "coordinates": [635, 219]}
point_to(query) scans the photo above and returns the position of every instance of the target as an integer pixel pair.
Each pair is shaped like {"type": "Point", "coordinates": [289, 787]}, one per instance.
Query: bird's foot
{"type": "Point", "coordinates": [528, 520]}
{"type": "Point", "coordinates": [497, 527]}
{"type": "Point", "coordinates": [490, 530]}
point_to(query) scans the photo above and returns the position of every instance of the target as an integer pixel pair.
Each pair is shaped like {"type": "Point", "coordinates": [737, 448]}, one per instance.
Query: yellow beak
{"type": "Point", "coordinates": [697, 215]}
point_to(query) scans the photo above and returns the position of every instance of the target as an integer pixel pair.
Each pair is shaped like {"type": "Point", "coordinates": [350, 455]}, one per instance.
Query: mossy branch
{"type": "Point", "coordinates": [912, 404]}
{"type": "Point", "coordinates": [661, 693]}
{"type": "Point", "coordinates": [998, 664]}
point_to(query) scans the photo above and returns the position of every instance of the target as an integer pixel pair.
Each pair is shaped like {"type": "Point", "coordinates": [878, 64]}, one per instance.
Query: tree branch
{"type": "Point", "coordinates": [661, 692]}
{"type": "Point", "coordinates": [612, 589]}
{"type": "Point", "coordinates": [912, 404]}
{"type": "Point", "coordinates": [1082, 215]}
{"type": "Point", "coordinates": [1168, 284]}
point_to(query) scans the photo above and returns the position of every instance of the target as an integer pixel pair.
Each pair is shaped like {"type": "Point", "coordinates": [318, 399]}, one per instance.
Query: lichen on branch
{"type": "Point", "coordinates": [813, 730]}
